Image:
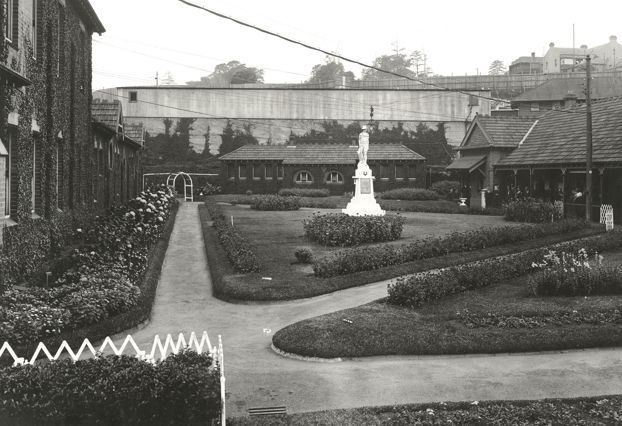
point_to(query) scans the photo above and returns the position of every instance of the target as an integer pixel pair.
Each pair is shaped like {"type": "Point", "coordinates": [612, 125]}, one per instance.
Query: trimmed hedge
{"type": "Point", "coordinates": [343, 230]}
{"type": "Point", "coordinates": [449, 189]}
{"type": "Point", "coordinates": [358, 259]}
{"type": "Point", "coordinates": [304, 192]}
{"type": "Point", "coordinates": [409, 194]}
{"type": "Point", "coordinates": [533, 211]}
{"type": "Point", "coordinates": [182, 389]}
{"type": "Point", "coordinates": [241, 257]}
{"type": "Point", "coordinates": [420, 288]}
{"type": "Point", "coordinates": [275, 203]}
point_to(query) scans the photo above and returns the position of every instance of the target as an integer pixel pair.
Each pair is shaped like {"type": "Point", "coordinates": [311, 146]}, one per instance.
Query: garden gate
{"type": "Point", "coordinates": [171, 179]}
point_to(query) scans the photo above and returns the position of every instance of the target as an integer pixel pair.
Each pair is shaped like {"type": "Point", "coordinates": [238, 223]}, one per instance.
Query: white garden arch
{"type": "Point", "coordinates": [171, 179]}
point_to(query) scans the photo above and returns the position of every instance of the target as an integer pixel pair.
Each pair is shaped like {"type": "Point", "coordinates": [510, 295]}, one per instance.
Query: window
{"type": "Point", "coordinates": [35, 189]}
{"type": "Point", "coordinates": [258, 171]}
{"type": "Point", "coordinates": [10, 30]}
{"type": "Point", "coordinates": [334, 177]}
{"type": "Point", "coordinates": [473, 100]}
{"type": "Point", "coordinates": [269, 172]}
{"type": "Point", "coordinates": [10, 189]}
{"type": "Point", "coordinates": [242, 171]}
{"type": "Point", "coordinates": [34, 40]}
{"type": "Point", "coordinates": [384, 171]}
{"type": "Point", "coordinates": [535, 106]}
{"type": "Point", "coordinates": [400, 171]}
{"type": "Point", "coordinates": [280, 171]}
{"type": "Point", "coordinates": [133, 96]}
{"type": "Point", "coordinates": [231, 171]}
{"type": "Point", "coordinates": [303, 177]}
{"type": "Point", "coordinates": [82, 82]}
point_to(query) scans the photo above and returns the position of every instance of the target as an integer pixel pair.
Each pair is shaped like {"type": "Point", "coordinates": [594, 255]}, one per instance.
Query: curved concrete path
{"type": "Point", "coordinates": [258, 377]}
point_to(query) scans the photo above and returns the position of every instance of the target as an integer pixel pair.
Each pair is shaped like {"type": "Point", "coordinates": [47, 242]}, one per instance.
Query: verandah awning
{"type": "Point", "coordinates": [13, 76]}
{"type": "Point", "coordinates": [467, 163]}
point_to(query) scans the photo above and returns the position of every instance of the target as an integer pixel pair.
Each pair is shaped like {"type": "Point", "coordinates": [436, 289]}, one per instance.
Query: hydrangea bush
{"type": "Point", "coordinates": [98, 280]}
{"type": "Point", "coordinates": [343, 230]}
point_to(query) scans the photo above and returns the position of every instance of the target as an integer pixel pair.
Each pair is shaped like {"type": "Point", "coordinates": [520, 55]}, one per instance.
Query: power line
{"type": "Point", "coordinates": [317, 49]}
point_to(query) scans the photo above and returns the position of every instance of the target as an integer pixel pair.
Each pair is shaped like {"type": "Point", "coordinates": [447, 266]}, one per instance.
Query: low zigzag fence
{"type": "Point", "coordinates": [159, 351]}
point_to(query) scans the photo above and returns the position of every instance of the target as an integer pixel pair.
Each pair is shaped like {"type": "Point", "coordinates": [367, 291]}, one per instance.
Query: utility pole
{"type": "Point", "coordinates": [588, 163]}
{"type": "Point", "coordinates": [157, 79]}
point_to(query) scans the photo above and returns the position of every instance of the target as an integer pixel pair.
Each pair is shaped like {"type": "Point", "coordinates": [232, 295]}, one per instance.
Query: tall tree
{"type": "Point", "coordinates": [397, 63]}
{"type": "Point", "coordinates": [206, 136]}
{"type": "Point", "coordinates": [232, 72]}
{"type": "Point", "coordinates": [233, 139]}
{"type": "Point", "coordinates": [330, 71]}
{"type": "Point", "coordinates": [497, 67]}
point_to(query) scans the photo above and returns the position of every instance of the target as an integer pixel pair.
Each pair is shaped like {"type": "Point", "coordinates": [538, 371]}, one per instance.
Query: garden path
{"type": "Point", "coordinates": [258, 377]}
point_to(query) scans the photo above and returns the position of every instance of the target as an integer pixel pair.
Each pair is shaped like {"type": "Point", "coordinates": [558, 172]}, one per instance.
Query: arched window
{"type": "Point", "coordinates": [334, 177]}
{"type": "Point", "coordinates": [303, 177]}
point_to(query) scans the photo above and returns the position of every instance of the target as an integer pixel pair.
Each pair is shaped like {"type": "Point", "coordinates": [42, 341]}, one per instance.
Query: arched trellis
{"type": "Point", "coordinates": [171, 179]}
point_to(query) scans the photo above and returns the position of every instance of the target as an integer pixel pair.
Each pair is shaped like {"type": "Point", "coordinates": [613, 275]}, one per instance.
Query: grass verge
{"type": "Point", "coordinates": [599, 410]}
{"type": "Point", "coordinates": [440, 327]}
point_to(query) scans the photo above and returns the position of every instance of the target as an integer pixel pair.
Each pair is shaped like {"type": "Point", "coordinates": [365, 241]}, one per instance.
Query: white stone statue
{"type": "Point", "coordinates": [363, 146]}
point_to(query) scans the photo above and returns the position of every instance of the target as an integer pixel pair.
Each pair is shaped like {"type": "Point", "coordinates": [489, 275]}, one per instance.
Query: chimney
{"type": "Point", "coordinates": [533, 54]}
{"type": "Point", "coordinates": [613, 38]}
{"type": "Point", "coordinates": [551, 44]}
{"type": "Point", "coordinates": [570, 100]}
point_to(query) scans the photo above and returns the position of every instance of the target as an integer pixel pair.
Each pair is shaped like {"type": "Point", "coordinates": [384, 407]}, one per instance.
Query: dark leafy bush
{"type": "Point", "coordinates": [449, 189]}
{"type": "Point", "coordinates": [420, 288]}
{"type": "Point", "coordinates": [437, 207]}
{"type": "Point", "coordinates": [205, 190]}
{"type": "Point", "coordinates": [275, 203]}
{"type": "Point", "coordinates": [182, 389]}
{"type": "Point", "coordinates": [238, 250]}
{"type": "Point", "coordinates": [594, 280]}
{"type": "Point", "coordinates": [409, 194]}
{"type": "Point", "coordinates": [304, 255]}
{"type": "Point", "coordinates": [304, 192]}
{"type": "Point", "coordinates": [555, 318]}
{"type": "Point", "coordinates": [533, 211]}
{"type": "Point", "coordinates": [343, 230]}
{"type": "Point", "coordinates": [358, 259]}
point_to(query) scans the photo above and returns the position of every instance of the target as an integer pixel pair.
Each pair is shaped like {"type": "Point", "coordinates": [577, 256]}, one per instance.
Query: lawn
{"type": "Point", "coordinates": [274, 236]}
{"type": "Point", "coordinates": [599, 410]}
{"type": "Point", "coordinates": [440, 327]}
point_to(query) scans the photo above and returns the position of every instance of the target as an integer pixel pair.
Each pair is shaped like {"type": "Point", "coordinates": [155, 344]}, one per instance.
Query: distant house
{"type": "Point", "coordinates": [527, 65]}
{"type": "Point", "coordinates": [550, 161]}
{"type": "Point", "coordinates": [488, 140]}
{"type": "Point", "coordinates": [568, 59]}
{"type": "Point", "coordinates": [117, 155]}
{"type": "Point", "coordinates": [560, 93]}
{"type": "Point", "coordinates": [268, 168]}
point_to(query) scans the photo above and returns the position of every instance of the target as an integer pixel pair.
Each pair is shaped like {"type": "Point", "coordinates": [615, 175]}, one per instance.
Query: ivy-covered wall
{"type": "Point", "coordinates": [55, 109]}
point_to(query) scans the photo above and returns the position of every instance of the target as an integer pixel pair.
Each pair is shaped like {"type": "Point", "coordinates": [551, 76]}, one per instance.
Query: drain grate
{"type": "Point", "coordinates": [264, 411]}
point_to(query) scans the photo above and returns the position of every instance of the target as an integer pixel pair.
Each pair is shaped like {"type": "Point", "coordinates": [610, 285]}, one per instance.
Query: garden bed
{"type": "Point", "coordinates": [505, 317]}
{"type": "Point", "coordinates": [275, 236]}
{"type": "Point", "coordinates": [593, 411]}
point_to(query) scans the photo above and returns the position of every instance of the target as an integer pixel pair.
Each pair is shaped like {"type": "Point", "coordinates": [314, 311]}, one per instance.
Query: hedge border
{"type": "Point", "coordinates": [124, 321]}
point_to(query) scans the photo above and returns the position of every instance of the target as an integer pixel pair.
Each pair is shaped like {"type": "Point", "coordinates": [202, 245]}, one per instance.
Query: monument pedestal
{"type": "Point", "coordinates": [363, 203]}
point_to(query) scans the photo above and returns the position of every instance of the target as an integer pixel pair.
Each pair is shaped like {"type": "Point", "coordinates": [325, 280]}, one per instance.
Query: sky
{"type": "Point", "coordinates": [145, 37]}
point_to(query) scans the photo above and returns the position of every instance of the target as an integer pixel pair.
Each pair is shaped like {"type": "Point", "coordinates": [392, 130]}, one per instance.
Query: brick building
{"type": "Point", "coordinates": [268, 168]}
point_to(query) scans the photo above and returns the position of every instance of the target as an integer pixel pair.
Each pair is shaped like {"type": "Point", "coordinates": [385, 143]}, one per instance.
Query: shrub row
{"type": "Point", "coordinates": [275, 203]}
{"type": "Point", "coordinates": [182, 389]}
{"type": "Point", "coordinates": [358, 259]}
{"type": "Point", "coordinates": [409, 194]}
{"type": "Point", "coordinates": [304, 192]}
{"type": "Point", "coordinates": [420, 288]}
{"type": "Point", "coordinates": [99, 280]}
{"type": "Point", "coordinates": [242, 258]}
{"type": "Point", "coordinates": [533, 211]}
{"type": "Point", "coordinates": [584, 281]}
{"type": "Point", "coordinates": [493, 319]}
{"type": "Point", "coordinates": [338, 229]}
{"type": "Point", "coordinates": [449, 189]}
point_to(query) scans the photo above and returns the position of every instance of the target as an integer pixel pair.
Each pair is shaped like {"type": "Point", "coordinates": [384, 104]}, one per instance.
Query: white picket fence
{"type": "Point", "coordinates": [159, 351]}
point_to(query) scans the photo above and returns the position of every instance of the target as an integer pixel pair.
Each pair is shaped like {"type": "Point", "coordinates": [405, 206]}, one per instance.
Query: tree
{"type": "Point", "coordinates": [397, 63]}
{"type": "Point", "coordinates": [206, 136]}
{"type": "Point", "coordinates": [233, 139]}
{"type": "Point", "coordinates": [168, 79]}
{"type": "Point", "coordinates": [418, 61]}
{"type": "Point", "coordinates": [232, 72]}
{"type": "Point", "coordinates": [496, 68]}
{"type": "Point", "coordinates": [330, 71]}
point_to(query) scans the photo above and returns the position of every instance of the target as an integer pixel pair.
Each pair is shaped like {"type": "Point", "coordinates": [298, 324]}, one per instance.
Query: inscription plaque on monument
{"type": "Point", "coordinates": [365, 186]}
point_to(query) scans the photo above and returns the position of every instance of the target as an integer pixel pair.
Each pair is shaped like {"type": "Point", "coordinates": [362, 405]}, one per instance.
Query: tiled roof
{"type": "Point", "coordinates": [559, 137]}
{"type": "Point", "coordinates": [528, 59]}
{"type": "Point", "coordinates": [321, 153]}
{"type": "Point", "coordinates": [135, 132]}
{"type": "Point", "coordinates": [107, 113]}
{"type": "Point", "coordinates": [504, 132]}
{"type": "Point", "coordinates": [467, 163]}
{"type": "Point", "coordinates": [555, 89]}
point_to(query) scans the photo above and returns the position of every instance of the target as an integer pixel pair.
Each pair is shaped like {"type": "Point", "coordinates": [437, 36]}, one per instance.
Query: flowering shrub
{"type": "Point", "coordinates": [98, 280]}
{"type": "Point", "coordinates": [420, 288]}
{"type": "Point", "coordinates": [304, 192]}
{"type": "Point", "coordinates": [182, 389]}
{"type": "Point", "coordinates": [242, 258]}
{"type": "Point", "coordinates": [352, 260]}
{"type": "Point", "coordinates": [449, 189]}
{"type": "Point", "coordinates": [531, 210]}
{"type": "Point", "coordinates": [409, 194]}
{"type": "Point", "coordinates": [275, 202]}
{"type": "Point", "coordinates": [303, 255]}
{"type": "Point", "coordinates": [570, 274]}
{"type": "Point", "coordinates": [343, 230]}
{"type": "Point", "coordinates": [207, 189]}
{"type": "Point", "coordinates": [492, 319]}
